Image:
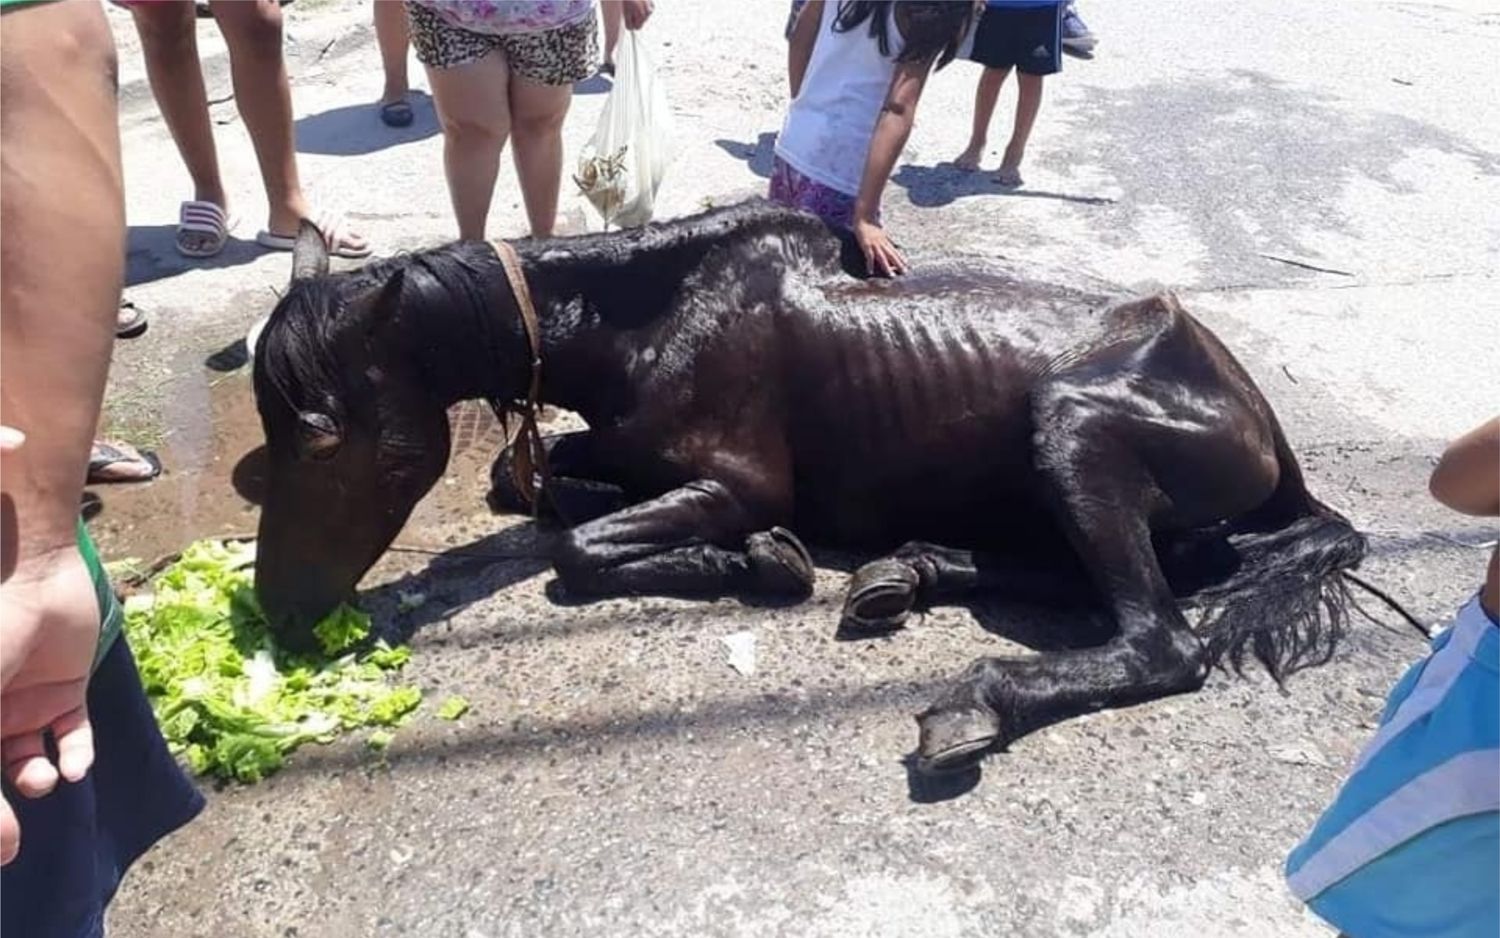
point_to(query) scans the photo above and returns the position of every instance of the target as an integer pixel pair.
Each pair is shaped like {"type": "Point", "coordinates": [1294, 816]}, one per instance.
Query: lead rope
{"type": "Point", "coordinates": [530, 459]}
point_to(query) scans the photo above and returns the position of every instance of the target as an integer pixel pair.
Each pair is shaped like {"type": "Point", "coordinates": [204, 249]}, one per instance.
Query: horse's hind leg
{"type": "Point", "coordinates": [700, 539]}
{"type": "Point", "coordinates": [1098, 451]}
{"type": "Point", "coordinates": [883, 593]}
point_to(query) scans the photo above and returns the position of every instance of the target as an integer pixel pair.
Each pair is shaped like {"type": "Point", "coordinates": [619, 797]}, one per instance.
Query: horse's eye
{"type": "Point", "coordinates": [318, 435]}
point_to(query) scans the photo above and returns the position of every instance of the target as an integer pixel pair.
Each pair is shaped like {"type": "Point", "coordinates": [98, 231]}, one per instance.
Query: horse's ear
{"type": "Point", "coordinates": [310, 253]}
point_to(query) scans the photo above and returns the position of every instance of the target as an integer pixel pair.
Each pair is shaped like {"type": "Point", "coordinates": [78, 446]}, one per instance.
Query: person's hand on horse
{"type": "Point", "coordinates": [49, 631]}
{"type": "Point", "coordinates": [636, 12]}
{"type": "Point", "coordinates": [881, 257]}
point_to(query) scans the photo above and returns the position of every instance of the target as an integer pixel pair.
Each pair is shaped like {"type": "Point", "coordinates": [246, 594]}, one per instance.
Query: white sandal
{"type": "Point", "coordinates": [202, 218]}
{"type": "Point", "coordinates": [332, 227]}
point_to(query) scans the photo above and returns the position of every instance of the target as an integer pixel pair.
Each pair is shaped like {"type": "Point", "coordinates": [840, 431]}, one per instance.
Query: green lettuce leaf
{"type": "Point", "coordinates": [453, 708]}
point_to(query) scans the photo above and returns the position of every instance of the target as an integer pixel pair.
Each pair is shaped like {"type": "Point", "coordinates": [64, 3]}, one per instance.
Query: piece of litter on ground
{"type": "Point", "coordinates": [1197, 799]}
{"type": "Point", "coordinates": [741, 647]}
{"type": "Point", "coordinates": [1300, 752]}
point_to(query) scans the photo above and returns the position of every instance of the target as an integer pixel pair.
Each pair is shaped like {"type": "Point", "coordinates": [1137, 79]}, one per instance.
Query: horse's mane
{"type": "Point", "coordinates": [691, 234]}
{"type": "Point", "coordinates": [633, 275]}
{"type": "Point", "coordinates": [306, 326]}
{"type": "Point", "coordinates": [635, 272]}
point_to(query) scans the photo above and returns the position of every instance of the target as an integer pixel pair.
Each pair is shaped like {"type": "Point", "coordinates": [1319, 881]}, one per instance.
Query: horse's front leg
{"type": "Point", "coordinates": [698, 539]}
{"type": "Point", "coordinates": [578, 488]}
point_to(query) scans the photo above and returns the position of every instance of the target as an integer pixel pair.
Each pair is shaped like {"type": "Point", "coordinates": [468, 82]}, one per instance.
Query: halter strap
{"type": "Point", "coordinates": [529, 455]}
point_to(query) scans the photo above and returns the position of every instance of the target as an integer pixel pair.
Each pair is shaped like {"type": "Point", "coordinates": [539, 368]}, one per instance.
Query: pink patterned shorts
{"type": "Point", "coordinates": [789, 187]}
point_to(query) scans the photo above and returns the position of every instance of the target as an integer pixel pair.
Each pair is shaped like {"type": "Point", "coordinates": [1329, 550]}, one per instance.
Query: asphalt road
{"type": "Point", "coordinates": [616, 776]}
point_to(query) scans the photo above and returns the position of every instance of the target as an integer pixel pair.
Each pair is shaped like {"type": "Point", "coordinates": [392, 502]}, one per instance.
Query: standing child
{"type": "Point", "coordinates": [857, 69]}
{"type": "Point", "coordinates": [1025, 35]}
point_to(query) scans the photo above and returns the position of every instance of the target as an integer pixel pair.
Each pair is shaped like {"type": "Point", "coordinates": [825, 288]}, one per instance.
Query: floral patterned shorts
{"type": "Point", "coordinates": [558, 56]}
{"type": "Point", "coordinates": [789, 187]}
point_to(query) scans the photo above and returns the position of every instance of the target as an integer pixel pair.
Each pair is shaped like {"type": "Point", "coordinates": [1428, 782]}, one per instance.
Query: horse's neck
{"type": "Point", "coordinates": [584, 366]}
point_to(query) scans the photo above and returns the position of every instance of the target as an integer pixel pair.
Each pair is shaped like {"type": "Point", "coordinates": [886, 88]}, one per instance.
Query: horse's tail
{"type": "Point", "coordinates": [1287, 600]}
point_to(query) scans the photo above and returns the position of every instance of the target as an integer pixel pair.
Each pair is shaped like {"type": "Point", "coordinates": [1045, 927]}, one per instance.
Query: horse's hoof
{"type": "Point", "coordinates": [950, 740]}
{"type": "Point", "coordinates": [881, 597]}
{"type": "Point", "coordinates": [779, 562]}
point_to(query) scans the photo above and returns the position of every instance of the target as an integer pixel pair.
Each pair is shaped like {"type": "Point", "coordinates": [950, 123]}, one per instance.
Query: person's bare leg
{"type": "Point", "coordinates": [986, 93]}
{"type": "Point", "coordinates": [536, 114]}
{"type": "Point", "coordinates": [472, 106]}
{"type": "Point", "coordinates": [392, 35]}
{"type": "Point", "coordinates": [613, 15]}
{"type": "Point", "coordinates": [252, 30]}
{"type": "Point", "coordinates": [1028, 103]}
{"type": "Point", "coordinates": [169, 39]}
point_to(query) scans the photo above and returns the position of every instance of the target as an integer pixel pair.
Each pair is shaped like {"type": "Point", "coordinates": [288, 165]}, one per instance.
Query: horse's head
{"type": "Point", "coordinates": [354, 437]}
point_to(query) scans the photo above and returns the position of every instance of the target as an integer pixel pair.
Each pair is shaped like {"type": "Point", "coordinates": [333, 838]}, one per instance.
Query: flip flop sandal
{"type": "Point", "coordinates": [332, 227]}
{"type": "Point", "coordinates": [1009, 178]}
{"type": "Point", "coordinates": [131, 321]}
{"type": "Point", "coordinates": [207, 218]}
{"type": "Point", "coordinates": [396, 114]}
{"type": "Point", "coordinates": [106, 456]}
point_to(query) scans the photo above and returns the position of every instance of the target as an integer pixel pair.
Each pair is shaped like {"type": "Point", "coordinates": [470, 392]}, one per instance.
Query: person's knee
{"type": "Point", "coordinates": [537, 125]}
{"type": "Point", "coordinates": [251, 29]}
{"type": "Point", "coordinates": [475, 130]}
{"type": "Point", "coordinates": [166, 29]}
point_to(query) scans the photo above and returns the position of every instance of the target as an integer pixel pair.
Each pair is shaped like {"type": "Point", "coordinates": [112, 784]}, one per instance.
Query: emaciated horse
{"type": "Point", "coordinates": [989, 434]}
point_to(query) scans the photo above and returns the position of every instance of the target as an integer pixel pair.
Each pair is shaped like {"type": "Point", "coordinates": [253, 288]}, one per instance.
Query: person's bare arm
{"type": "Point", "coordinates": [1467, 478]}
{"type": "Point", "coordinates": [61, 265]}
{"type": "Point", "coordinates": [892, 129]}
{"type": "Point", "coordinates": [636, 12]}
{"type": "Point", "coordinates": [799, 48]}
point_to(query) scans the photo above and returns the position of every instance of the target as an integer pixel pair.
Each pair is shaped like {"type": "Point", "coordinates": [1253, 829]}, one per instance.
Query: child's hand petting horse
{"type": "Point", "coordinates": [881, 257]}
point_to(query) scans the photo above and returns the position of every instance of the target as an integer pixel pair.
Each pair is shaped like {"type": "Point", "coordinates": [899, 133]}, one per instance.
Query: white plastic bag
{"type": "Point", "coordinates": [622, 166]}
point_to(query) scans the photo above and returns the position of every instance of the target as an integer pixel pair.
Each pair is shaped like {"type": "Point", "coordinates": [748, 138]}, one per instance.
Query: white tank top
{"type": "Point", "coordinates": [828, 127]}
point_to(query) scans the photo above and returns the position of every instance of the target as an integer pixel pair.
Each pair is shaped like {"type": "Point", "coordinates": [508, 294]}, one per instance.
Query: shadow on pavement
{"type": "Point", "coordinates": [931, 186]}
{"type": "Point", "coordinates": [759, 155]}
{"type": "Point", "coordinates": [531, 735]}
{"type": "Point", "coordinates": [151, 253]}
{"type": "Point", "coordinates": [455, 579]}
{"type": "Point", "coordinates": [356, 129]}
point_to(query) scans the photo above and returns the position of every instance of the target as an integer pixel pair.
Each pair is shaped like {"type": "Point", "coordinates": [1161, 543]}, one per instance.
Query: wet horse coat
{"type": "Point", "coordinates": [987, 433]}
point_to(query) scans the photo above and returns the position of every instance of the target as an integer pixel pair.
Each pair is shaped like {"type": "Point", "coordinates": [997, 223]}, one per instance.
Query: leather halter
{"type": "Point", "coordinates": [530, 457]}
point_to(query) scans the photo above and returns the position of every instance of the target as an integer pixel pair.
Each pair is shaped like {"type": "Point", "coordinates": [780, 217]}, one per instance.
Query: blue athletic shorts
{"type": "Point", "coordinates": [1410, 847]}
{"type": "Point", "coordinates": [1026, 38]}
